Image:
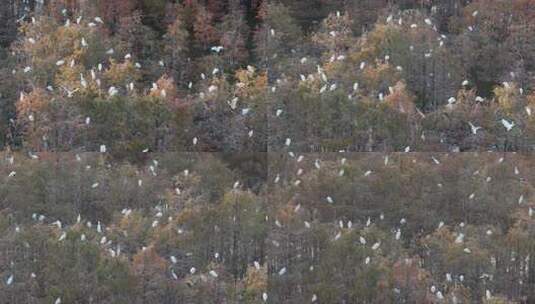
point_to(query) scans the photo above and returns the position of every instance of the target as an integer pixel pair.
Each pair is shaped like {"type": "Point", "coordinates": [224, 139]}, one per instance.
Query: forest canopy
{"type": "Point", "coordinates": [267, 151]}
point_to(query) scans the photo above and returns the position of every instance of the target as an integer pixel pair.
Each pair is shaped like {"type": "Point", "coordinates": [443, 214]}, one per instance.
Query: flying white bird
{"type": "Point", "coordinates": [216, 49]}
{"type": "Point", "coordinates": [69, 92]}
{"type": "Point", "coordinates": [474, 128]}
{"type": "Point", "coordinates": [508, 125]}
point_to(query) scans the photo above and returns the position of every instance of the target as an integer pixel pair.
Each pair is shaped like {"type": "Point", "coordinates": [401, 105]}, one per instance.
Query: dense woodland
{"type": "Point", "coordinates": [267, 151]}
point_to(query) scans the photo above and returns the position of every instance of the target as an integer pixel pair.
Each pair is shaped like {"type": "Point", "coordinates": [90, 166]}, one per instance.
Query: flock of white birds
{"type": "Point", "coordinates": [114, 250]}
{"type": "Point", "coordinates": [327, 84]}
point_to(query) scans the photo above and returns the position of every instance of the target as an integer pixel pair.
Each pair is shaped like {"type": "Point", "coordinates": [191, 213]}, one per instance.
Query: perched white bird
{"type": "Point", "coordinates": [376, 246]}
{"type": "Point", "coordinates": [9, 280]}
{"type": "Point", "coordinates": [288, 142]}
{"type": "Point", "coordinates": [112, 91]}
